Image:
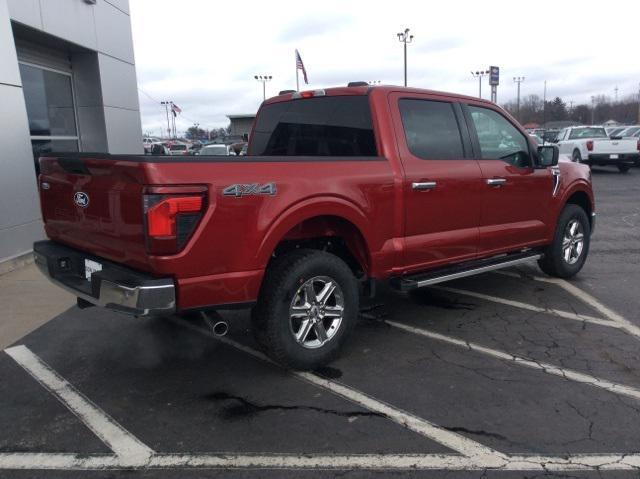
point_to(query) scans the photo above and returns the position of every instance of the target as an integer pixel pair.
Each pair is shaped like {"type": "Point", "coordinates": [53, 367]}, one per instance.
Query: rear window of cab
{"type": "Point", "coordinates": [320, 126]}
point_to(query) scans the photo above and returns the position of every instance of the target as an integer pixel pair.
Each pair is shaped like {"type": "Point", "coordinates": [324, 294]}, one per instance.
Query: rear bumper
{"type": "Point", "coordinates": [598, 159]}
{"type": "Point", "coordinates": [115, 287]}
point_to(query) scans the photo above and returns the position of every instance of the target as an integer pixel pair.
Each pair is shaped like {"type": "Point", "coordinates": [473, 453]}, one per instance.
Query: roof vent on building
{"type": "Point", "coordinates": [284, 92]}
{"type": "Point", "coordinates": [357, 83]}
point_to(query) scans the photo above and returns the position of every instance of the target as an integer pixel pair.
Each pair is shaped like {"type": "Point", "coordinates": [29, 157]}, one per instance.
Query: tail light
{"type": "Point", "coordinates": [172, 214]}
{"type": "Point", "coordinates": [638, 145]}
{"type": "Point", "coordinates": [590, 145]}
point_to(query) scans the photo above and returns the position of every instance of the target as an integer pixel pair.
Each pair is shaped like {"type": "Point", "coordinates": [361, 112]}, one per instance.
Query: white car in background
{"type": "Point", "coordinates": [178, 149]}
{"type": "Point", "coordinates": [629, 132]}
{"type": "Point", "coordinates": [592, 146]}
{"type": "Point", "coordinates": [216, 150]}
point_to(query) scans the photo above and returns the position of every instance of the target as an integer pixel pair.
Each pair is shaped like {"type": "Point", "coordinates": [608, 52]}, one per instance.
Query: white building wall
{"type": "Point", "coordinates": [98, 41]}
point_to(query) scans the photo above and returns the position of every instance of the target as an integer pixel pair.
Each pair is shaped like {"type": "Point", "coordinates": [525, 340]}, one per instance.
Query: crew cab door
{"type": "Point", "coordinates": [441, 184]}
{"type": "Point", "coordinates": [515, 195]}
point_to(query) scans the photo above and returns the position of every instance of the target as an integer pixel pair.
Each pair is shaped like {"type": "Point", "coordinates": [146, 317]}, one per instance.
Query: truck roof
{"type": "Point", "coordinates": [365, 90]}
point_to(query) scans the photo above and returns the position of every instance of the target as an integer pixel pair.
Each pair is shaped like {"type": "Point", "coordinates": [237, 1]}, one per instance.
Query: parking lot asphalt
{"type": "Point", "coordinates": [509, 374]}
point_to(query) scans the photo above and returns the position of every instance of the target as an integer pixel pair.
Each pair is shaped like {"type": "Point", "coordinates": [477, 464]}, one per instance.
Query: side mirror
{"type": "Point", "coordinates": [548, 155]}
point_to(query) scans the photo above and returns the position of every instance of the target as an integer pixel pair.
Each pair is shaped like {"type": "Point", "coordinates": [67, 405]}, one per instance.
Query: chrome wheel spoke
{"type": "Point", "coordinates": [303, 332]}
{"type": "Point", "coordinates": [567, 254]}
{"type": "Point", "coordinates": [333, 311]}
{"type": "Point", "coordinates": [309, 292]}
{"type": "Point", "coordinates": [326, 293]}
{"type": "Point", "coordinates": [321, 332]}
{"type": "Point", "coordinates": [300, 311]}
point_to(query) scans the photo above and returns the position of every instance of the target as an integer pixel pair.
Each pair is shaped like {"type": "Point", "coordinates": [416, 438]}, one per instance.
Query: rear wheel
{"type": "Point", "coordinates": [624, 168]}
{"type": "Point", "coordinates": [307, 308]}
{"type": "Point", "coordinates": [576, 157]}
{"type": "Point", "coordinates": [565, 257]}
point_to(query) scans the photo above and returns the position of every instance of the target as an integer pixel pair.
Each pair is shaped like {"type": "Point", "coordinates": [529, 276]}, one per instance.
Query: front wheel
{"type": "Point", "coordinates": [307, 308]}
{"type": "Point", "coordinates": [565, 257]}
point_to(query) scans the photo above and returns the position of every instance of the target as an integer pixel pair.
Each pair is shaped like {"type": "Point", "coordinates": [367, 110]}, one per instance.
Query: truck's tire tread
{"type": "Point", "coordinates": [552, 262]}
{"type": "Point", "coordinates": [270, 316]}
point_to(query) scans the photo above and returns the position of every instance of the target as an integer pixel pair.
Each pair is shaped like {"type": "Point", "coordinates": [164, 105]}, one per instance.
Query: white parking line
{"type": "Point", "coordinates": [585, 297]}
{"type": "Point", "coordinates": [389, 462]}
{"type": "Point", "coordinates": [530, 307]}
{"type": "Point", "coordinates": [129, 449]}
{"type": "Point", "coordinates": [547, 368]}
{"type": "Point", "coordinates": [452, 440]}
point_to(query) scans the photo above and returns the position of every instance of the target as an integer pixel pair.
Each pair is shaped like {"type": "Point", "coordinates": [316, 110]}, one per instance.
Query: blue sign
{"type": "Point", "coordinates": [494, 75]}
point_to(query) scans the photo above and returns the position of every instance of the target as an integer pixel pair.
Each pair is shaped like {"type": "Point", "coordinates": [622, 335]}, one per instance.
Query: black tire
{"type": "Point", "coordinates": [553, 262]}
{"type": "Point", "coordinates": [624, 168]}
{"type": "Point", "coordinates": [576, 157]}
{"type": "Point", "coordinates": [272, 324]}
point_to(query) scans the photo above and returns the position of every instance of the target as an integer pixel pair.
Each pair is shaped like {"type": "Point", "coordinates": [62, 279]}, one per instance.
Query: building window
{"type": "Point", "coordinates": [51, 110]}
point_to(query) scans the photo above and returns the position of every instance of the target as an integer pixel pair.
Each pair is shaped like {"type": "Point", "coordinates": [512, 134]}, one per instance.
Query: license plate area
{"type": "Point", "coordinates": [613, 157]}
{"type": "Point", "coordinates": [91, 267]}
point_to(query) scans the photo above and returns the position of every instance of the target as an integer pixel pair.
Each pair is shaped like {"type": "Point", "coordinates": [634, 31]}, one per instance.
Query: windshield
{"type": "Point", "coordinates": [178, 147]}
{"type": "Point", "coordinates": [587, 133]}
{"type": "Point", "coordinates": [218, 150]}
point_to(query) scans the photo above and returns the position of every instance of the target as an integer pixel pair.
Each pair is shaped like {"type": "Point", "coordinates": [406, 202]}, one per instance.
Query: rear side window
{"type": "Point", "coordinates": [431, 129]}
{"type": "Point", "coordinates": [323, 126]}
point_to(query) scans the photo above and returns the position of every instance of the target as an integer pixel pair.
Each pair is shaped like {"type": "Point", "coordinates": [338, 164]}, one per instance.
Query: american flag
{"type": "Point", "coordinates": [175, 108]}
{"type": "Point", "coordinates": [300, 66]}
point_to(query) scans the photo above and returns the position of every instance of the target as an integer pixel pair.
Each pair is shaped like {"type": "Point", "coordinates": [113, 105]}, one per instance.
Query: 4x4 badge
{"type": "Point", "coordinates": [239, 190]}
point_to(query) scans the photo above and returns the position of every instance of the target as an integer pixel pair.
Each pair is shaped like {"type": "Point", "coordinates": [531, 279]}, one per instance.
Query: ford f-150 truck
{"type": "Point", "coordinates": [592, 146]}
{"type": "Point", "coordinates": [341, 188]}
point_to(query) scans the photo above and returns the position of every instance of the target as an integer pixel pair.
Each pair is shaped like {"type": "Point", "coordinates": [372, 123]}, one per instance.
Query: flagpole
{"type": "Point", "coordinates": [297, 81]}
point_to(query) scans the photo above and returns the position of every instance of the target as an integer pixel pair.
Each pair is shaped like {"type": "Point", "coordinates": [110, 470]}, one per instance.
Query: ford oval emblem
{"type": "Point", "coordinates": [81, 199]}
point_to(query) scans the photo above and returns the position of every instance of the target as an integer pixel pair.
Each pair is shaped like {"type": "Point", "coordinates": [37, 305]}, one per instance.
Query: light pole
{"type": "Point", "coordinates": [195, 131]}
{"type": "Point", "coordinates": [479, 75]}
{"type": "Point", "coordinates": [263, 79]}
{"type": "Point", "coordinates": [374, 82]}
{"type": "Point", "coordinates": [166, 104]}
{"type": "Point", "coordinates": [518, 80]}
{"type": "Point", "coordinates": [405, 38]}
{"type": "Point", "coordinates": [593, 110]}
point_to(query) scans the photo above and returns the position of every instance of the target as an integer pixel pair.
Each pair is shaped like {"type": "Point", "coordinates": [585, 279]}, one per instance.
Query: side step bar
{"type": "Point", "coordinates": [470, 268]}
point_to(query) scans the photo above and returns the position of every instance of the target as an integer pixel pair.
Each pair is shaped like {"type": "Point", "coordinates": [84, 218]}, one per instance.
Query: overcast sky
{"type": "Point", "coordinates": [203, 54]}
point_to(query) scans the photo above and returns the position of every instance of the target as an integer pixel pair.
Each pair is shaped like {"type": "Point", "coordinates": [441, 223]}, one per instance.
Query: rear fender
{"type": "Point", "coordinates": [312, 208]}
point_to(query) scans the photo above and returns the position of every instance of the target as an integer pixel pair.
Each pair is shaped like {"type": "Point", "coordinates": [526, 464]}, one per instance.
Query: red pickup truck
{"type": "Point", "coordinates": [341, 188]}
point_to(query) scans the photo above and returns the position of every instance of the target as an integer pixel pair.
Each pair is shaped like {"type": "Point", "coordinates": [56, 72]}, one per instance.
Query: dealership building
{"type": "Point", "coordinates": [67, 83]}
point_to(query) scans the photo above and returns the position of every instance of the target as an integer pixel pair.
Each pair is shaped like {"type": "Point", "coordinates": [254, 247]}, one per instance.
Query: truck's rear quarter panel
{"type": "Point", "coordinates": [225, 259]}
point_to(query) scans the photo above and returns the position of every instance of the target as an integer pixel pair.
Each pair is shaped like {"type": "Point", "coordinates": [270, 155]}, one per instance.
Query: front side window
{"type": "Point", "coordinates": [431, 129]}
{"type": "Point", "coordinates": [321, 126]}
{"type": "Point", "coordinates": [499, 139]}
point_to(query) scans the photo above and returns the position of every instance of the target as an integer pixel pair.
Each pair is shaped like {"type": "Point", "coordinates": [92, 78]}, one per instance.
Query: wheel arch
{"type": "Point", "coordinates": [329, 224]}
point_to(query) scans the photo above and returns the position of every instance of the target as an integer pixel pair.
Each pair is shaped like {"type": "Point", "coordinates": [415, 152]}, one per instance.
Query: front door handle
{"type": "Point", "coordinates": [496, 181]}
{"type": "Point", "coordinates": [426, 185]}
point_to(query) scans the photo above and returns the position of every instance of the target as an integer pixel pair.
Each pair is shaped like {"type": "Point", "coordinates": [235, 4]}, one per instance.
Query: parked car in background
{"type": "Point", "coordinates": [159, 149]}
{"type": "Point", "coordinates": [146, 144]}
{"type": "Point", "coordinates": [592, 146]}
{"type": "Point", "coordinates": [216, 150]}
{"type": "Point", "coordinates": [177, 149]}
{"type": "Point", "coordinates": [629, 132]}
{"type": "Point", "coordinates": [549, 136]}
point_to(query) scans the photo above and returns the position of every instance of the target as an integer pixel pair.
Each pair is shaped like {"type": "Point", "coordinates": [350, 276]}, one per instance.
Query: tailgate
{"type": "Point", "coordinates": [615, 146]}
{"type": "Point", "coordinates": [95, 205]}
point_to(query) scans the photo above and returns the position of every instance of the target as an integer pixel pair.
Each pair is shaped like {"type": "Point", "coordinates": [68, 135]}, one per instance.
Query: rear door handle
{"type": "Point", "coordinates": [425, 185]}
{"type": "Point", "coordinates": [496, 181]}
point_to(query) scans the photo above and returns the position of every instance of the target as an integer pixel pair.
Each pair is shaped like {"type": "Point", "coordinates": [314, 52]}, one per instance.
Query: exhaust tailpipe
{"type": "Point", "coordinates": [220, 328]}
{"type": "Point", "coordinates": [217, 325]}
